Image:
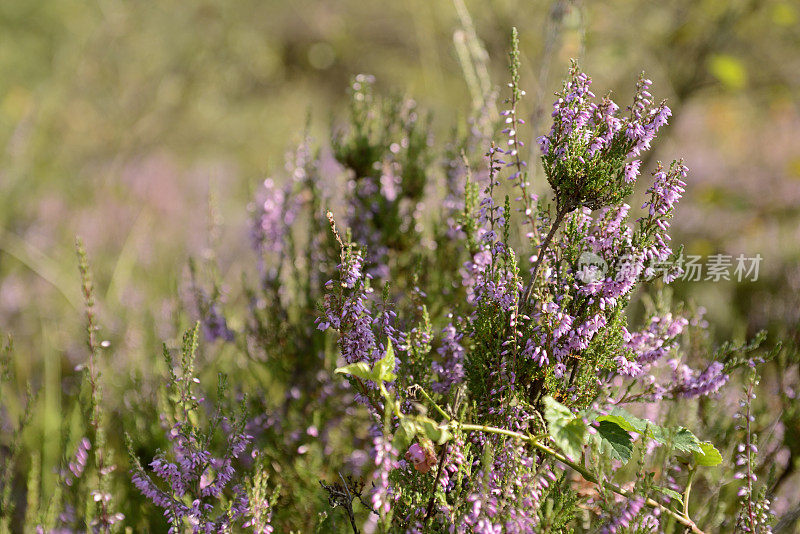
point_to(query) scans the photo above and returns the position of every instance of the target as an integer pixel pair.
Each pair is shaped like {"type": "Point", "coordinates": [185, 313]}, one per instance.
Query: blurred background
{"type": "Point", "coordinates": [146, 126]}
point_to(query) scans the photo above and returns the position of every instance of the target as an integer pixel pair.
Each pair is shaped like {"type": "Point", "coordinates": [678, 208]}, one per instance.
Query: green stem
{"type": "Point", "coordinates": [433, 403]}
{"type": "Point", "coordinates": [588, 476]}
{"type": "Point", "coordinates": [683, 519]}
{"type": "Point", "coordinates": [687, 491]}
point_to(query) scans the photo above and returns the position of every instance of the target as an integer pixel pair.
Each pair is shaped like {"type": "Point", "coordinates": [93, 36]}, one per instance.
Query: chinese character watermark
{"type": "Point", "coordinates": [690, 268]}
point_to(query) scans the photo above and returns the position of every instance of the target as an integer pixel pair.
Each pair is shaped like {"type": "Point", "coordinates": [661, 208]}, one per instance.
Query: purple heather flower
{"type": "Point", "coordinates": [194, 467]}
{"type": "Point", "coordinates": [214, 324]}
{"type": "Point", "coordinates": [632, 170]}
{"type": "Point", "coordinates": [630, 516]}
{"type": "Point", "coordinates": [352, 271]}
{"type": "Point", "coordinates": [450, 367]}
{"type": "Point", "coordinates": [504, 497]}
{"type": "Point", "coordinates": [667, 189]}
{"type": "Point", "coordinates": [689, 384]}
{"type": "Point", "coordinates": [347, 311]}
{"type": "Point", "coordinates": [755, 514]}
{"type": "Point", "coordinates": [385, 462]}
{"type": "Point", "coordinates": [655, 341]}
{"type": "Point", "coordinates": [78, 465]}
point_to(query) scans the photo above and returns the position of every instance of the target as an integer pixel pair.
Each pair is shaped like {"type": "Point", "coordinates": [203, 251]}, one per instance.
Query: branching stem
{"type": "Point", "coordinates": [681, 518]}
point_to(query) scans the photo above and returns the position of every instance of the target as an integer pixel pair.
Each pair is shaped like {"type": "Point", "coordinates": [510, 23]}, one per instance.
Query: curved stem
{"type": "Point", "coordinates": [683, 519]}
{"type": "Point", "coordinates": [433, 403]}
{"type": "Point", "coordinates": [588, 476]}
{"type": "Point", "coordinates": [687, 491]}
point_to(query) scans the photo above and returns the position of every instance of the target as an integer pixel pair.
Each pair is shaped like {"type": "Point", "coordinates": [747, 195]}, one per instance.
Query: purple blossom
{"type": "Point", "coordinates": [346, 311]}
{"type": "Point", "coordinates": [689, 384]}
{"type": "Point", "coordinates": [632, 170]}
{"type": "Point", "coordinates": [631, 516]}
{"type": "Point", "coordinates": [192, 468]}
{"type": "Point", "coordinates": [385, 461]}
{"type": "Point", "coordinates": [666, 191]}
{"type": "Point", "coordinates": [78, 465]}
{"type": "Point", "coordinates": [273, 215]}
{"type": "Point", "coordinates": [450, 367]}
{"type": "Point", "coordinates": [214, 324]}
{"type": "Point", "coordinates": [755, 514]}
{"type": "Point", "coordinates": [580, 124]}
{"type": "Point", "coordinates": [504, 497]}
{"type": "Point", "coordinates": [655, 341]}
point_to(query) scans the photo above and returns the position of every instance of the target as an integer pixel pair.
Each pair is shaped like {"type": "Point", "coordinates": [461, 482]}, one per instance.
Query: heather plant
{"type": "Point", "coordinates": [199, 492]}
{"type": "Point", "coordinates": [423, 344]}
{"type": "Point", "coordinates": [538, 369]}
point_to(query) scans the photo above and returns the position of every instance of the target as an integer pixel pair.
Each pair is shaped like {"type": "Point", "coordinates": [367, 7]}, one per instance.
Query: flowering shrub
{"type": "Point", "coordinates": [536, 366]}
{"type": "Point", "coordinates": [417, 355]}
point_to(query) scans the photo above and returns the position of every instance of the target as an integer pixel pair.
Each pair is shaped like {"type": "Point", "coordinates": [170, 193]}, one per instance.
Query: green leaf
{"type": "Point", "coordinates": [384, 368]}
{"type": "Point", "coordinates": [404, 434]}
{"type": "Point", "coordinates": [359, 369]}
{"type": "Point", "coordinates": [685, 441]}
{"type": "Point", "coordinates": [567, 429]}
{"type": "Point", "coordinates": [432, 430]}
{"type": "Point", "coordinates": [631, 423]}
{"type": "Point", "coordinates": [681, 439]}
{"type": "Point", "coordinates": [672, 494]}
{"type": "Point", "coordinates": [709, 456]}
{"type": "Point", "coordinates": [615, 440]}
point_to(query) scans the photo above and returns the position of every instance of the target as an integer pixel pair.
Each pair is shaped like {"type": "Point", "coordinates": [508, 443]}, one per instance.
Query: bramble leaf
{"type": "Point", "coordinates": [567, 429]}
{"type": "Point", "coordinates": [412, 426]}
{"type": "Point", "coordinates": [685, 441]}
{"type": "Point", "coordinates": [614, 439]}
{"type": "Point", "coordinates": [432, 430]}
{"type": "Point", "coordinates": [710, 456]}
{"type": "Point", "coordinates": [631, 423]}
{"type": "Point", "coordinates": [404, 434]}
{"type": "Point", "coordinates": [382, 370]}
{"type": "Point", "coordinates": [680, 439]}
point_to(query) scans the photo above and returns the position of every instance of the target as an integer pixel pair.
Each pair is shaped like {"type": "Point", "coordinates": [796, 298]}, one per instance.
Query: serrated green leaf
{"type": "Point", "coordinates": [709, 456]}
{"type": "Point", "coordinates": [619, 420]}
{"type": "Point", "coordinates": [684, 441]}
{"type": "Point", "coordinates": [681, 439]}
{"type": "Point", "coordinates": [384, 368]}
{"type": "Point", "coordinates": [359, 369]}
{"type": "Point", "coordinates": [631, 423]}
{"type": "Point", "coordinates": [567, 430]}
{"type": "Point", "coordinates": [615, 441]}
{"type": "Point", "coordinates": [672, 494]}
